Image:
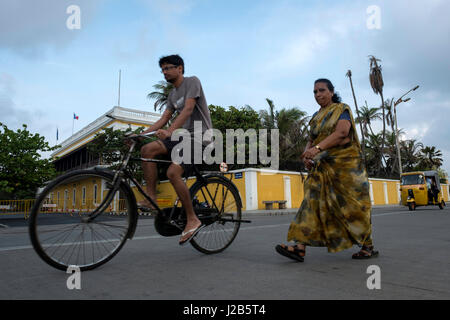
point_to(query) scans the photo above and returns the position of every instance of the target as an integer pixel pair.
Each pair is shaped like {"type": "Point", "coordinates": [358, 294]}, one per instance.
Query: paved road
{"type": "Point", "coordinates": [414, 263]}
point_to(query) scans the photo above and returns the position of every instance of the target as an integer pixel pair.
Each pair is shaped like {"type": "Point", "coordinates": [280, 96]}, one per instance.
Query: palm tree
{"type": "Point", "coordinates": [366, 115]}
{"type": "Point", "coordinates": [376, 81]}
{"type": "Point", "coordinates": [391, 151]}
{"type": "Point", "coordinates": [268, 118]}
{"type": "Point", "coordinates": [160, 95]}
{"type": "Point", "coordinates": [430, 157]}
{"type": "Point", "coordinates": [349, 75]}
{"type": "Point", "coordinates": [409, 150]}
{"type": "Point", "coordinates": [292, 124]}
{"type": "Point", "coordinates": [373, 153]}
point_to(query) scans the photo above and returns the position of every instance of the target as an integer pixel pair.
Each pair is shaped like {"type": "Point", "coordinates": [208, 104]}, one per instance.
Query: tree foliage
{"type": "Point", "coordinates": [22, 170]}
{"type": "Point", "coordinates": [109, 145]}
{"type": "Point", "coordinates": [380, 147]}
{"type": "Point", "coordinates": [235, 118]}
{"type": "Point", "coordinates": [160, 95]}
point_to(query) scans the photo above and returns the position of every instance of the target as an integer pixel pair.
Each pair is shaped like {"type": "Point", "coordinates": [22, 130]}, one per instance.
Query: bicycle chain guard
{"type": "Point", "coordinates": [162, 222]}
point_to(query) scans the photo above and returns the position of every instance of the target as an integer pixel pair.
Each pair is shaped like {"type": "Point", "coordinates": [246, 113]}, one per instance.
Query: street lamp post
{"type": "Point", "coordinates": [400, 100]}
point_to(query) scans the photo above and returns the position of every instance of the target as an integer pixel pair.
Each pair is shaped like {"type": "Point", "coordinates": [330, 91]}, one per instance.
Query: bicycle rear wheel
{"type": "Point", "coordinates": [217, 204]}
{"type": "Point", "coordinates": [60, 229]}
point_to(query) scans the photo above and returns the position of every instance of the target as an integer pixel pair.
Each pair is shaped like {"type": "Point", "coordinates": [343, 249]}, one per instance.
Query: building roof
{"type": "Point", "coordinates": [122, 117]}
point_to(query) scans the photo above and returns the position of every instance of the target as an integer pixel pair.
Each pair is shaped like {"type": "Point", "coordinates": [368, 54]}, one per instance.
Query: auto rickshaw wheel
{"type": "Point", "coordinates": [411, 206]}
{"type": "Point", "coordinates": [441, 205]}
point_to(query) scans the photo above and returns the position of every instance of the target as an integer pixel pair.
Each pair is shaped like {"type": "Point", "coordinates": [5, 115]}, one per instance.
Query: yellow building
{"type": "Point", "coordinates": [73, 155]}
{"type": "Point", "coordinates": [73, 152]}
{"type": "Point", "coordinates": [258, 185]}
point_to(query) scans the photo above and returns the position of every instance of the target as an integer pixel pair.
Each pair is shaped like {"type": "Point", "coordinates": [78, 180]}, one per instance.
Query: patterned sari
{"type": "Point", "coordinates": [336, 210]}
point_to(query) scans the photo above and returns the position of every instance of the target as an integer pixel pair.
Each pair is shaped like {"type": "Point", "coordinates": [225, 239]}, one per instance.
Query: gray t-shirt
{"type": "Point", "coordinates": [191, 88]}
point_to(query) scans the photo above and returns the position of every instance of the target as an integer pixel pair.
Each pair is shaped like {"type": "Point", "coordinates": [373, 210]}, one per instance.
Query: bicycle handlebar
{"type": "Point", "coordinates": [134, 136]}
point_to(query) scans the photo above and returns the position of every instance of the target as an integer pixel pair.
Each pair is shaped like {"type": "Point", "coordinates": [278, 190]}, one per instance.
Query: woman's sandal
{"type": "Point", "coordinates": [296, 253]}
{"type": "Point", "coordinates": [365, 253]}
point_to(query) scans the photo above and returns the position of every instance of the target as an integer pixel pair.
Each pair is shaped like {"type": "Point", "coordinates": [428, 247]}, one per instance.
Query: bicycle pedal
{"type": "Point", "coordinates": [176, 225]}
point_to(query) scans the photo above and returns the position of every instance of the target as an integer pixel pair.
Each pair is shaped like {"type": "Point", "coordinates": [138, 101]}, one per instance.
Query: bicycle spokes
{"type": "Point", "coordinates": [216, 204]}
{"type": "Point", "coordinates": [71, 225]}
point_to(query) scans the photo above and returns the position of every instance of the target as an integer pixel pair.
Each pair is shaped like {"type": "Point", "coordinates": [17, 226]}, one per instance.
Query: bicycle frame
{"type": "Point", "coordinates": [119, 173]}
{"type": "Point", "coordinates": [122, 172]}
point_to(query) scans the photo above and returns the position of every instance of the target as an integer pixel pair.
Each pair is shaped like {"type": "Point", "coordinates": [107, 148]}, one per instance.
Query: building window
{"type": "Point", "coordinates": [74, 196]}
{"type": "Point", "coordinates": [66, 198]}
{"type": "Point", "coordinates": [95, 193]}
{"type": "Point", "coordinates": [83, 195]}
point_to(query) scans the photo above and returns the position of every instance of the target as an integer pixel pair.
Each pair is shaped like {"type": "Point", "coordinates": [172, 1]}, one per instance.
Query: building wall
{"type": "Point", "coordinates": [446, 192]}
{"type": "Point", "coordinates": [254, 185]}
{"type": "Point", "coordinates": [377, 191]}
{"type": "Point", "coordinates": [270, 185]}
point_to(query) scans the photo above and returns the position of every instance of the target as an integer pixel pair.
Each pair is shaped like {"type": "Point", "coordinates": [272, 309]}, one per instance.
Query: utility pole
{"type": "Point", "coordinates": [397, 141]}
{"type": "Point", "coordinates": [400, 100]}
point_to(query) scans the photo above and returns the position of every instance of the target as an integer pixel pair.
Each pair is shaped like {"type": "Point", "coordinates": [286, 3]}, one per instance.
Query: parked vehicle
{"type": "Point", "coordinates": [421, 188]}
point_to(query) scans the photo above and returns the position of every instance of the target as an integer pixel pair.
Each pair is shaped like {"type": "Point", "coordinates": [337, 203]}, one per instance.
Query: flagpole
{"type": "Point", "coordinates": [118, 102]}
{"type": "Point", "coordinates": [73, 122]}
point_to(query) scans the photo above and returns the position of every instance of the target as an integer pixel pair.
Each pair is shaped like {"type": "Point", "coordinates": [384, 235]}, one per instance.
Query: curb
{"type": "Point", "coordinates": [279, 212]}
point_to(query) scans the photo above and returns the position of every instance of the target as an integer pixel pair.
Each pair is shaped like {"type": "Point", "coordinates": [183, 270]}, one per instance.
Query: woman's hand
{"type": "Point", "coordinates": [307, 161]}
{"type": "Point", "coordinates": [310, 153]}
{"type": "Point", "coordinates": [308, 164]}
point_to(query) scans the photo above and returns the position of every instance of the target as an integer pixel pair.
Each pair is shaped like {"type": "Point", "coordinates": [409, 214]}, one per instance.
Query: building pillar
{"type": "Point", "coordinates": [371, 194]}
{"type": "Point", "coordinates": [287, 191]}
{"type": "Point", "coordinates": [251, 190]}
{"type": "Point", "coordinates": [385, 191]}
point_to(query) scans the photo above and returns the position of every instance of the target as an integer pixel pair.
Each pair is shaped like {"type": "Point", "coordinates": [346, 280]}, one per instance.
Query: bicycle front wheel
{"type": "Point", "coordinates": [61, 230]}
{"type": "Point", "coordinates": [217, 204]}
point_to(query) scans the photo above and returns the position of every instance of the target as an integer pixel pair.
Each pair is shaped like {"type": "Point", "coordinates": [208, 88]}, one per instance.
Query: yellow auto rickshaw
{"type": "Point", "coordinates": [421, 188]}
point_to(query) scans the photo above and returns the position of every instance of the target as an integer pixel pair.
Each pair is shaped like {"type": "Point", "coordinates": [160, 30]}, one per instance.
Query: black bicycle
{"type": "Point", "coordinates": [67, 228]}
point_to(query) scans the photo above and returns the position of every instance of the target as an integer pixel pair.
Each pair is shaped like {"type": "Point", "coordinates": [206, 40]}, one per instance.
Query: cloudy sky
{"type": "Point", "coordinates": [243, 52]}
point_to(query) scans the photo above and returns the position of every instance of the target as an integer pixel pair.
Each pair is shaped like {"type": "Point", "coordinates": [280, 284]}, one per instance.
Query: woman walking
{"type": "Point", "coordinates": [336, 209]}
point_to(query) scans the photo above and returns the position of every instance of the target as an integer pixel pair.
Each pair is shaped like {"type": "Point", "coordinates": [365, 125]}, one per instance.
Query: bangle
{"type": "Point", "coordinates": [318, 147]}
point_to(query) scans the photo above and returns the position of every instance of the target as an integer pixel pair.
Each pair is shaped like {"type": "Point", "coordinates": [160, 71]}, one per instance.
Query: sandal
{"type": "Point", "coordinates": [365, 253]}
{"type": "Point", "coordinates": [295, 254]}
{"type": "Point", "coordinates": [193, 233]}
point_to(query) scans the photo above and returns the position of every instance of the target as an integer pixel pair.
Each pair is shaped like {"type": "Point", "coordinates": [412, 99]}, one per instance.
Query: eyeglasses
{"type": "Point", "coordinates": [167, 68]}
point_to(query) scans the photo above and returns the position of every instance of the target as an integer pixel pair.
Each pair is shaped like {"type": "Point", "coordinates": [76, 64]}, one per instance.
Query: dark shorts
{"type": "Point", "coordinates": [188, 166]}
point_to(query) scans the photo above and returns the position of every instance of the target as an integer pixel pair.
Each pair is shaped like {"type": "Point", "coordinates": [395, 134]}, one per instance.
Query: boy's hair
{"type": "Point", "coordinates": [174, 59]}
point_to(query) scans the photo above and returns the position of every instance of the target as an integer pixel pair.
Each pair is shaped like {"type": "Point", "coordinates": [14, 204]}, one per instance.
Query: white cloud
{"type": "Point", "coordinates": [300, 51]}
{"type": "Point", "coordinates": [416, 132]}
{"type": "Point", "coordinates": [13, 115]}
{"type": "Point", "coordinates": [30, 28]}
{"type": "Point", "coordinates": [303, 39]}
